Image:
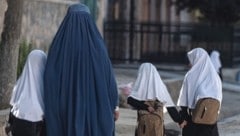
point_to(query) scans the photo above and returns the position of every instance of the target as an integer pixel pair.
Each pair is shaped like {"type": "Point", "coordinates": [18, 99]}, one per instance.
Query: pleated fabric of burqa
{"type": "Point", "coordinates": [80, 87]}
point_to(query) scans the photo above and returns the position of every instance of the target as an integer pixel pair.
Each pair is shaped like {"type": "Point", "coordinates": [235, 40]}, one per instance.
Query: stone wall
{"type": "Point", "coordinates": [41, 19]}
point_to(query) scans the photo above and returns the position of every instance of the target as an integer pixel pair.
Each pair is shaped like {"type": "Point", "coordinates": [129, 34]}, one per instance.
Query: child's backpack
{"type": "Point", "coordinates": [150, 124]}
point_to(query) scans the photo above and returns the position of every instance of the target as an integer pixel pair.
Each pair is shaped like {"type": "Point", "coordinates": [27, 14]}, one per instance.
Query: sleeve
{"type": "Point", "coordinates": [139, 105]}
{"type": "Point", "coordinates": [174, 114]}
{"type": "Point", "coordinates": [184, 113]}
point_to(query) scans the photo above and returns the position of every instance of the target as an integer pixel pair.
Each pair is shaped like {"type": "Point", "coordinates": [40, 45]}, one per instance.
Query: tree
{"type": "Point", "coordinates": [213, 11]}
{"type": "Point", "coordinates": [9, 50]}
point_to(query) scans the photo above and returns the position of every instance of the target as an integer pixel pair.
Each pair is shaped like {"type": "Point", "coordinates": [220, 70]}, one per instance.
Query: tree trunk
{"type": "Point", "coordinates": [9, 50]}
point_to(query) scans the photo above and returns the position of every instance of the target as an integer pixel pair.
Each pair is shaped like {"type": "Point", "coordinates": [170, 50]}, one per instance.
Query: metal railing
{"type": "Point", "coordinates": [162, 42]}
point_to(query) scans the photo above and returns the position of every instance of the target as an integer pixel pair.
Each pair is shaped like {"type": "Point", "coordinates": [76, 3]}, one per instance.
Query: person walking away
{"type": "Point", "coordinates": [201, 82]}
{"type": "Point", "coordinates": [215, 58]}
{"type": "Point", "coordinates": [148, 96]}
{"type": "Point", "coordinates": [80, 88]}
{"type": "Point", "coordinates": [27, 112]}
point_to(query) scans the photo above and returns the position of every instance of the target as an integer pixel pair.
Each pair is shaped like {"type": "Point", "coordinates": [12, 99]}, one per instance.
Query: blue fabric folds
{"type": "Point", "coordinates": [80, 87]}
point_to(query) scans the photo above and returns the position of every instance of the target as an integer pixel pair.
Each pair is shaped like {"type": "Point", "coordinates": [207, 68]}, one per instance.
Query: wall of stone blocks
{"type": "Point", "coordinates": [41, 19]}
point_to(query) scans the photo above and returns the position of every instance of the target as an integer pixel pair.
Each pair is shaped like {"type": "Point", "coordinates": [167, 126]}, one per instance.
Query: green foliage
{"type": "Point", "coordinates": [213, 11]}
{"type": "Point", "coordinates": [92, 5]}
{"type": "Point", "coordinates": [24, 49]}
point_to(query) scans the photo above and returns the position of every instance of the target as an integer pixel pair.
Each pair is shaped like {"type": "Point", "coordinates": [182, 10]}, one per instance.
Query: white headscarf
{"type": "Point", "coordinates": [149, 86]}
{"type": "Point", "coordinates": [201, 81]}
{"type": "Point", "coordinates": [215, 58]}
{"type": "Point", "coordinates": [27, 96]}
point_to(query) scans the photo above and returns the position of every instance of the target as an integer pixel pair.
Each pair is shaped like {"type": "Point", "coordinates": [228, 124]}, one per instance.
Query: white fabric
{"type": "Point", "coordinates": [201, 81]}
{"type": "Point", "coordinates": [27, 96]}
{"type": "Point", "coordinates": [149, 86]}
{"type": "Point", "coordinates": [215, 58]}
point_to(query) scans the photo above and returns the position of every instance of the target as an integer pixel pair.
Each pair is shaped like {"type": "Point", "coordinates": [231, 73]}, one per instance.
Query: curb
{"type": "Point", "coordinates": [234, 87]}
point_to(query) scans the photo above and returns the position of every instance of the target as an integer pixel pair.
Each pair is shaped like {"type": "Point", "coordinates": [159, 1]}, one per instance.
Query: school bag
{"type": "Point", "coordinates": [206, 111]}
{"type": "Point", "coordinates": [150, 124]}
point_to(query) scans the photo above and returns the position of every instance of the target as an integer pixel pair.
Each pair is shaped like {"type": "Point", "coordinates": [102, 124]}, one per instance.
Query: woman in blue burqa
{"type": "Point", "coordinates": [80, 88]}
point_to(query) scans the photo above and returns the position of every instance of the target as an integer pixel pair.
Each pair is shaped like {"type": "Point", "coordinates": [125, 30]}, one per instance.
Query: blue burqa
{"type": "Point", "coordinates": [80, 87]}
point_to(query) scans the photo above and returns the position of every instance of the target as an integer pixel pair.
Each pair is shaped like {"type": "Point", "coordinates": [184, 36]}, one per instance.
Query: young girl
{"type": "Point", "coordinates": [201, 81]}
{"type": "Point", "coordinates": [148, 96]}
{"type": "Point", "coordinates": [26, 115]}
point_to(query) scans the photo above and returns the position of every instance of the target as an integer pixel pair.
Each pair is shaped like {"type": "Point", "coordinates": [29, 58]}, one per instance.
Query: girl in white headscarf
{"type": "Point", "coordinates": [149, 87]}
{"type": "Point", "coordinates": [201, 81]}
{"type": "Point", "coordinates": [215, 58]}
{"type": "Point", "coordinates": [27, 112]}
